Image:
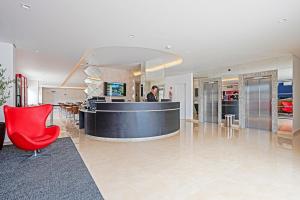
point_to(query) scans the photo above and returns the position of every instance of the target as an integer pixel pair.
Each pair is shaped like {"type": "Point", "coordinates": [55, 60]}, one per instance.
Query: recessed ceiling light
{"type": "Point", "coordinates": [131, 36]}
{"type": "Point", "coordinates": [168, 47]}
{"type": "Point", "coordinates": [283, 20]}
{"type": "Point", "coordinates": [25, 6]}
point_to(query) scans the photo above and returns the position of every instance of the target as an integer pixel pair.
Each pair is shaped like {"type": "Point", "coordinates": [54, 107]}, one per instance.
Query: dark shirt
{"type": "Point", "coordinates": [151, 97]}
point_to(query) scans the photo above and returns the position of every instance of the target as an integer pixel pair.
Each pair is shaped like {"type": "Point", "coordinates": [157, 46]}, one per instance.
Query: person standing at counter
{"type": "Point", "coordinates": [152, 95]}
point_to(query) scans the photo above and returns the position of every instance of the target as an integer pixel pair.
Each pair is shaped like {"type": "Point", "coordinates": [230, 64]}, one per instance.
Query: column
{"type": "Point", "coordinates": [296, 94]}
{"type": "Point", "coordinates": [7, 61]}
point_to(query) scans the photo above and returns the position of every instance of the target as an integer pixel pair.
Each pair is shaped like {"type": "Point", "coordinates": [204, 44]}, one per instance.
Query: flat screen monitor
{"type": "Point", "coordinates": [114, 89]}
{"type": "Point", "coordinates": [97, 98]}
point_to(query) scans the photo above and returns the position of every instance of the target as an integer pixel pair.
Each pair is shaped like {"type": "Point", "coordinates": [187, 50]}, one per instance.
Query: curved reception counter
{"type": "Point", "coordinates": [128, 121]}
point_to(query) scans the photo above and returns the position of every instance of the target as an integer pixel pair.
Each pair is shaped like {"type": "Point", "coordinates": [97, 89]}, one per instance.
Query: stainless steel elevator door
{"type": "Point", "coordinates": [252, 103]}
{"type": "Point", "coordinates": [265, 111]}
{"type": "Point", "coordinates": [207, 103]}
{"type": "Point", "coordinates": [258, 103]}
{"type": "Point", "coordinates": [215, 101]}
{"type": "Point", "coordinates": [210, 103]}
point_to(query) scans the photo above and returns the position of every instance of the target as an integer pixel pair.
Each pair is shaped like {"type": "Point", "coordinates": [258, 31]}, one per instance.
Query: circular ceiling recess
{"type": "Point", "coordinates": [131, 57]}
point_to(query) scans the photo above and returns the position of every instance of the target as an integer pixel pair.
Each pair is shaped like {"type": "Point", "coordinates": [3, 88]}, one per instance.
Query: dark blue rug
{"type": "Point", "coordinates": [63, 175]}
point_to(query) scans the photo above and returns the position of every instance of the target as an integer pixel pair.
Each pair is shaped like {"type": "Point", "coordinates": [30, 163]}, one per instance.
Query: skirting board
{"type": "Point", "coordinates": [132, 139]}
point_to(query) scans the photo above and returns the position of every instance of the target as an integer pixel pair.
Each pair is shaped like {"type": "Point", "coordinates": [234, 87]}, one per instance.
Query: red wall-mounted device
{"type": "Point", "coordinates": [21, 90]}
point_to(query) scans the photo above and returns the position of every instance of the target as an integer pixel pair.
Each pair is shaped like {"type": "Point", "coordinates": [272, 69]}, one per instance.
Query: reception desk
{"type": "Point", "coordinates": [131, 121]}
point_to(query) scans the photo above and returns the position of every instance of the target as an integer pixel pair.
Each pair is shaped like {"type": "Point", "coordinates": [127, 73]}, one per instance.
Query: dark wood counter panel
{"type": "Point", "coordinates": [131, 120]}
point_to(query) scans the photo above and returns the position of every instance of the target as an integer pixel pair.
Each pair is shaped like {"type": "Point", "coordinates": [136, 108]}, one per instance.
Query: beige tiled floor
{"type": "Point", "coordinates": [285, 125]}
{"type": "Point", "coordinates": [202, 162]}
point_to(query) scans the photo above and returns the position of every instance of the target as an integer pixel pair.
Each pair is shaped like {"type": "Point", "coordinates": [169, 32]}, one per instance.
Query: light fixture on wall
{"type": "Point", "coordinates": [168, 47]}
{"type": "Point", "coordinates": [93, 72]}
{"type": "Point", "coordinates": [164, 65]}
{"type": "Point", "coordinates": [230, 79]}
{"type": "Point", "coordinates": [137, 73]}
{"type": "Point", "coordinates": [25, 6]}
{"type": "Point", "coordinates": [93, 78]}
{"type": "Point", "coordinates": [93, 81]}
{"type": "Point", "coordinates": [283, 20]}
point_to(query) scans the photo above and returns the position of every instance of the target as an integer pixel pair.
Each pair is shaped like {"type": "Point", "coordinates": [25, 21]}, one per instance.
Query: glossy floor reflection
{"type": "Point", "coordinates": [204, 161]}
{"type": "Point", "coordinates": [285, 125]}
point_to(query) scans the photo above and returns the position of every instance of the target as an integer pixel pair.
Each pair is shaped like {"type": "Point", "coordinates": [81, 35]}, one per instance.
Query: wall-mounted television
{"type": "Point", "coordinates": [114, 89]}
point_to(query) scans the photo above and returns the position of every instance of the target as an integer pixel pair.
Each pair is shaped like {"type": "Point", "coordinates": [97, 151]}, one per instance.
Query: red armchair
{"type": "Point", "coordinates": [26, 127]}
{"type": "Point", "coordinates": [287, 106]}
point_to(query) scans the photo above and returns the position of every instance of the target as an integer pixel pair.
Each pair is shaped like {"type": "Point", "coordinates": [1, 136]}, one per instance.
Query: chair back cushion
{"type": "Point", "coordinates": [287, 104]}
{"type": "Point", "coordinates": [30, 121]}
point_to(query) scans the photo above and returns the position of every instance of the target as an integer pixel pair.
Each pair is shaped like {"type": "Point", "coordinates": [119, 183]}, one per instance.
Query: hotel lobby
{"type": "Point", "coordinates": [187, 100]}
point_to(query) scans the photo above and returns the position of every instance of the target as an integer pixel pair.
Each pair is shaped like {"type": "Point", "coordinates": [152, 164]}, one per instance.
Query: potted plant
{"type": "Point", "coordinates": [5, 85]}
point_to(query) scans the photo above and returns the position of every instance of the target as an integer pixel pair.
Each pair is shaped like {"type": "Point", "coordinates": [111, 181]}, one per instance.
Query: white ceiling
{"type": "Point", "coordinates": [208, 34]}
{"type": "Point", "coordinates": [125, 57]}
{"type": "Point", "coordinates": [50, 69]}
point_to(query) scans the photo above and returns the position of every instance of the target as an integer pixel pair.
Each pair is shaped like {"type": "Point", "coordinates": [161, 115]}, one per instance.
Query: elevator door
{"type": "Point", "coordinates": [210, 102]}
{"type": "Point", "coordinates": [258, 103]}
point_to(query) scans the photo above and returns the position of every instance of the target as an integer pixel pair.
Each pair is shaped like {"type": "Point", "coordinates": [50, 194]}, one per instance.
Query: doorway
{"type": "Point", "coordinates": [180, 96]}
{"type": "Point", "coordinates": [137, 88]}
{"type": "Point", "coordinates": [230, 99]}
{"type": "Point", "coordinates": [258, 103]}
{"type": "Point", "coordinates": [285, 106]}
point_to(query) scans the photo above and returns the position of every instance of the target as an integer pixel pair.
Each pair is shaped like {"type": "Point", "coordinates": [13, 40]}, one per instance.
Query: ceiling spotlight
{"type": "Point", "coordinates": [168, 47]}
{"type": "Point", "coordinates": [25, 6]}
{"type": "Point", "coordinates": [283, 20]}
{"type": "Point", "coordinates": [131, 36]}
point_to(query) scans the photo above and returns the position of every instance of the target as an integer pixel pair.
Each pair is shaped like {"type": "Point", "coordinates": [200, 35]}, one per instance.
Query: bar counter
{"type": "Point", "coordinates": [130, 121]}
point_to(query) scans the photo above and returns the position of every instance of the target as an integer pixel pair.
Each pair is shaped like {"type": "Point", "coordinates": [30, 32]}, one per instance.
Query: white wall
{"type": "Point", "coordinates": [7, 61]}
{"type": "Point", "coordinates": [186, 79]}
{"type": "Point", "coordinates": [61, 95]}
{"type": "Point", "coordinates": [282, 64]}
{"type": "Point", "coordinates": [119, 75]}
{"type": "Point", "coordinates": [108, 74]}
{"type": "Point", "coordinates": [33, 92]}
{"type": "Point", "coordinates": [296, 93]}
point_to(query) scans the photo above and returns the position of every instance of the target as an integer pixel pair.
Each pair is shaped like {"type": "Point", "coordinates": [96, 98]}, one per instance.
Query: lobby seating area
{"type": "Point", "coordinates": [70, 110]}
